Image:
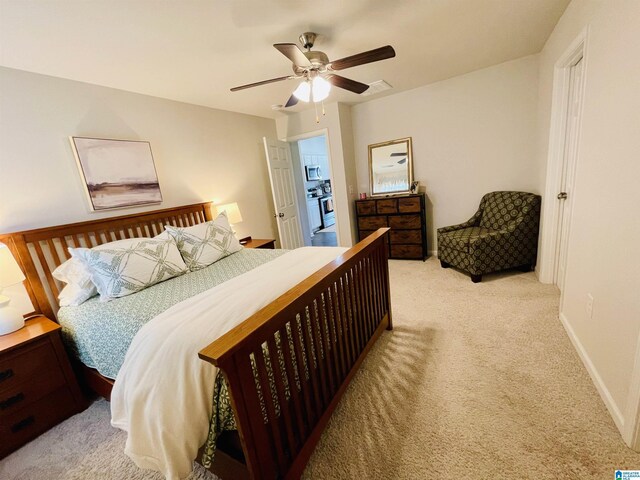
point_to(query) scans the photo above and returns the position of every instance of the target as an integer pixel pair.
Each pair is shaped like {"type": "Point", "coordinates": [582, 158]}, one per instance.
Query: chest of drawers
{"type": "Point", "coordinates": [404, 215]}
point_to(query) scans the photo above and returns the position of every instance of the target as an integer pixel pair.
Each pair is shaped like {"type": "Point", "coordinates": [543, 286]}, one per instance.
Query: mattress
{"type": "Point", "coordinates": [99, 333]}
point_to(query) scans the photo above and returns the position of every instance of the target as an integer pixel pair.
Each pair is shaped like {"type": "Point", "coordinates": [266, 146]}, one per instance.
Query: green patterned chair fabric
{"type": "Point", "coordinates": [502, 234]}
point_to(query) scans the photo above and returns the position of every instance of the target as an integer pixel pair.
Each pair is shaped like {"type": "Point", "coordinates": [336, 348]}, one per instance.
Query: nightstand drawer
{"type": "Point", "coordinates": [30, 421]}
{"type": "Point", "coordinates": [25, 393]}
{"type": "Point", "coordinates": [25, 363]}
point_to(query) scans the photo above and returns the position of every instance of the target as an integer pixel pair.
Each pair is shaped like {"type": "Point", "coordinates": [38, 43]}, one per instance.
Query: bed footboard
{"type": "Point", "coordinates": [288, 365]}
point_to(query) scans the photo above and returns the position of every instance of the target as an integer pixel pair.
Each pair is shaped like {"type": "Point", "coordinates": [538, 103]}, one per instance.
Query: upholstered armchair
{"type": "Point", "coordinates": [502, 234]}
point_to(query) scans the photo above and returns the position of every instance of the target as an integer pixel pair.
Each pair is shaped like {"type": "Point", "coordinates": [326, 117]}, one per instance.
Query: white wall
{"type": "Point", "coordinates": [472, 134]}
{"type": "Point", "coordinates": [336, 125]}
{"type": "Point", "coordinates": [201, 154]}
{"type": "Point", "coordinates": [604, 257]}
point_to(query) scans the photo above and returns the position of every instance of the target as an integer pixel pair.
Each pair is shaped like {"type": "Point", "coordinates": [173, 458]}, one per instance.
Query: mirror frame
{"type": "Point", "coordinates": [406, 140]}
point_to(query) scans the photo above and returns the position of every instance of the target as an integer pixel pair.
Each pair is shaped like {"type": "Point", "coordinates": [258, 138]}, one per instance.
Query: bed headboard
{"type": "Point", "coordinates": [39, 252]}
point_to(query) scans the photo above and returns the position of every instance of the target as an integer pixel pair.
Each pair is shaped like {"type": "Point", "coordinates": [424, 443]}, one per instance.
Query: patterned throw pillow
{"type": "Point", "coordinates": [128, 266]}
{"type": "Point", "coordinates": [205, 243]}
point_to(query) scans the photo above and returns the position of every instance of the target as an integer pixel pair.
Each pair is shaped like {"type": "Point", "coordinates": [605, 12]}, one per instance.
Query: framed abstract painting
{"type": "Point", "coordinates": [117, 173]}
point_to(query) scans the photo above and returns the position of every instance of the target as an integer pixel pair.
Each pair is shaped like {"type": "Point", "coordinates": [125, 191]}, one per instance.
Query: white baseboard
{"type": "Point", "coordinates": [608, 400]}
{"type": "Point", "coordinates": [433, 253]}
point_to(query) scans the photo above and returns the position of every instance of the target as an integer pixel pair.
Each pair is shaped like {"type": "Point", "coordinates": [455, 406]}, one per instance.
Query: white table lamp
{"type": "Point", "coordinates": [232, 211]}
{"type": "Point", "coordinates": [10, 274]}
{"type": "Point", "coordinates": [233, 214]}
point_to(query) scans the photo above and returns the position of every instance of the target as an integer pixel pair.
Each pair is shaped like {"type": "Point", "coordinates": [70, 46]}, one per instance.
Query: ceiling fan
{"type": "Point", "coordinates": [315, 69]}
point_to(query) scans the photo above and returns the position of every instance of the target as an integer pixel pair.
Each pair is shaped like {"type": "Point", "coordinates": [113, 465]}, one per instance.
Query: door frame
{"type": "Point", "coordinates": [317, 133]}
{"type": "Point", "coordinates": [557, 139]}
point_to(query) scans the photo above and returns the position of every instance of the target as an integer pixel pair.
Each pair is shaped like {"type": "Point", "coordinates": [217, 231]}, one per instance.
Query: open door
{"type": "Point", "coordinates": [569, 160]}
{"type": "Point", "coordinates": [283, 189]}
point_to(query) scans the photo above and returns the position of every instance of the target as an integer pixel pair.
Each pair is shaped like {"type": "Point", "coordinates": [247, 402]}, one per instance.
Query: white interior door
{"type": "Point", "coordinates": [565, 196]}
{"type": "Point", "coordinates": [283, 188]}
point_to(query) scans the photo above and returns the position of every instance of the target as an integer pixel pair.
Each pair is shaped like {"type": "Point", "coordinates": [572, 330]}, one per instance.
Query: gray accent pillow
{"type": "Point", "coordinates": [127, 266]}
{"type": "Point", "coordinates": [205, 243]}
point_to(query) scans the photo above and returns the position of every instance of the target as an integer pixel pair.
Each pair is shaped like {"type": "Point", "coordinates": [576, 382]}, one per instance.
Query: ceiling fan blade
{"type": "Point", "coordinates": [376, 55]}
{"type": "Point", "coordinates": [263, 82]}
{"type": "Point", "coordinates": [293, 53]}
{"type": "Point", "coordinates": [347, 83]}
{"type": "Point", "coordinates": [291, 102]}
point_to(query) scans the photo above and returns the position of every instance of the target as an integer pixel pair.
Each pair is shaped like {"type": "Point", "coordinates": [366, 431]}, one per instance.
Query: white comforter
{"type": "Point", "coordinates": [163, 392]}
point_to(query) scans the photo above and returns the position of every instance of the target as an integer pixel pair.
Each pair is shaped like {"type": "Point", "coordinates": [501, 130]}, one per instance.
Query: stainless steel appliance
{"type": "Point", "coordinates": [326, 211]}
{"type": "Point", "coordinates": [313, 173]}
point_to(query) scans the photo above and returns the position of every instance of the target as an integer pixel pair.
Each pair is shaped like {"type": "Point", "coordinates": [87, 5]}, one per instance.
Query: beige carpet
{"type": "Point", "coordinates": [475, 382]}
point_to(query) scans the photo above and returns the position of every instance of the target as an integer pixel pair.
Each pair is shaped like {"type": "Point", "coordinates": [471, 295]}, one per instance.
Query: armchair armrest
{"type": "Point", "coordinates": [472, 222]}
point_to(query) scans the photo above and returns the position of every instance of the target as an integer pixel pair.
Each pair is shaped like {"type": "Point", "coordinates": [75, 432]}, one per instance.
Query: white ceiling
{"type": "Point", "coordinates": [195, 51]}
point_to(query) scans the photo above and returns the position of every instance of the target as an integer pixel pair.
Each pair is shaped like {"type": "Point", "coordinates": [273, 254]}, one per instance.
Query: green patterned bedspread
{"type": "Point", "coordinates": [100, 332]}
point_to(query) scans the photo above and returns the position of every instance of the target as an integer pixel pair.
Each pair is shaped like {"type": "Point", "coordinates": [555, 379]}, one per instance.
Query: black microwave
{"type": "Point", "coordinates": [313, 172]}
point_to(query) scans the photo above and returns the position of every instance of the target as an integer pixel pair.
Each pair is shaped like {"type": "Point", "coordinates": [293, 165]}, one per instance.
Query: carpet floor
{"type": "Point", "coordinates": [476, 381]}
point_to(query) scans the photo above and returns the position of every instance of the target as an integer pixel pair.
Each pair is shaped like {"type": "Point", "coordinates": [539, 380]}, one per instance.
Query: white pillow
{"type": "Point", "coordinates": [205, 243]}
{"type": "Point", "coordinates": [79, 286]}
{"type": "Point", "coordinates": [127, 266]}
{"type": "Point", "coordinates": [73, 295]}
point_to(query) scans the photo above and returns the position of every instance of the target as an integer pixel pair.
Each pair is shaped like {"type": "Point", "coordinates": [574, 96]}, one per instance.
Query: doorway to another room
{"type": "Point", "coordinates": [315, 173]}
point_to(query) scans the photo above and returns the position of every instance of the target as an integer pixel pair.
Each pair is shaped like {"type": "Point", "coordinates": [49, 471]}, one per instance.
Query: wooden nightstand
{"type": "Point", "coordinates": [37, 386]}
{"type": "Point", "coordinates": [258, 242]}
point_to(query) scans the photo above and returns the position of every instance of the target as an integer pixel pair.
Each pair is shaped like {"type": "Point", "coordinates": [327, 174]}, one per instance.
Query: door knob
{"type": "Point", "coordinates": [278, 215]}
{"type": "Point", "coordinates": [562, 196]}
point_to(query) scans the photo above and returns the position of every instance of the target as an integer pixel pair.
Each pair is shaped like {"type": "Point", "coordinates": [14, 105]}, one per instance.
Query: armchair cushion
{"type": "Point", "coordinates": [461, 239]}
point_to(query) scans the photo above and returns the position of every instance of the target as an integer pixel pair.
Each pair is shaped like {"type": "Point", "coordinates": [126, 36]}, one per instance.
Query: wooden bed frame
{"type": "Point", "coordinates": [344, 307]}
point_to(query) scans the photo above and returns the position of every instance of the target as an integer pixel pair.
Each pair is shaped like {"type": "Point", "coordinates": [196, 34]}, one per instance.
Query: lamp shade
{"type": "Point", "coordinates": [320, 89]}
{"type": "Point", "coordinates": [232, 211]}
{"type": "Point", "coordinates": [10, 272]}
{"type": "Point", "coordinates": [303, 92]}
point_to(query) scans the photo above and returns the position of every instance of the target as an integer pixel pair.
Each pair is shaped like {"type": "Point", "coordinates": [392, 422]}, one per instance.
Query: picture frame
{"type": "Point", "coordinates": [391, 167]}
{"type": "Point", "coordinates": [116, 173]}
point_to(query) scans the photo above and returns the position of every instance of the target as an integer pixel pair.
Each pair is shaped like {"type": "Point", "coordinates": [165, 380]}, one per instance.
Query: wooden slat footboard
{"type": "Point", "coordinates": [288, 365]}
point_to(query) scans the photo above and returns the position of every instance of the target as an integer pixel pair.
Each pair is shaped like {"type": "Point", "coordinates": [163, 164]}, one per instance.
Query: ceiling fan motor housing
{"type": "Point", "coordinates": [307, 39]}
{"type": "Point", "coordinates": [318, 61]}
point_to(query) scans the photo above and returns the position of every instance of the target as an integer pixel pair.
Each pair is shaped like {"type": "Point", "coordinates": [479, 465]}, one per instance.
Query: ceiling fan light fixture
{"type": "Point", "coordinates": [320, 89]}
{"type": "Point", "coordinates": [303, 92]}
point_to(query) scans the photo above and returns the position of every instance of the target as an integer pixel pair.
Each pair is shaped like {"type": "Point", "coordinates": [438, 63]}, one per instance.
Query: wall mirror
{"type": "Point", "coordinates": [391, 167]}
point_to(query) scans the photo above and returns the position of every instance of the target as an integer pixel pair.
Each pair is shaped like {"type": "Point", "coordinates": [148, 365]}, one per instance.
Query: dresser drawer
{"type": "Point", "coordinates": [387, 206]}
{"type": "Point", "coordinates": [409, 205]}
{"type": "Point", "coordinates": [405, 221]}
{"type": "Point", "coordinates": [406, 236]}
{"type": "Point", "coordinates": [366, 208]}
{"type": "Point", "coordinates": [23, 394]}
{"type": "Point", "coordinates": [406, 251]}
{"type": "Point", "coordinates": [28, 422]}
{"type": "Point", "coordinates": [25, 363]}
{"type": "Point", "coordinates": [371, 223]}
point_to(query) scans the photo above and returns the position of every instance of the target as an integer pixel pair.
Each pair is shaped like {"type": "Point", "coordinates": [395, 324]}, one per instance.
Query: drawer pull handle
{"type": "Point", "coordinates": [6, 374]}
{"type": "Point", "coordinates": [23, 424]}
{"type": "Point", "coordinates": [11, 401]}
